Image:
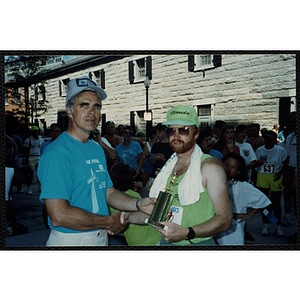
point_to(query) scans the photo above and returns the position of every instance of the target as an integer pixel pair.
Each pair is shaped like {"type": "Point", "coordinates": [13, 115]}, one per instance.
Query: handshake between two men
{"type": "Point", "coordinates": [120, 219]}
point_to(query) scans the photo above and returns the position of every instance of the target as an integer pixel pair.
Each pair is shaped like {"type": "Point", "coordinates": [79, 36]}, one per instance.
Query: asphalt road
{"type": "Point", "coordinates": [28, 211]}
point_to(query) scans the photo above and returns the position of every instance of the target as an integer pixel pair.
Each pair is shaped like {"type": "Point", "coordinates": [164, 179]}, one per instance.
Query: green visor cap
{"type": "Point", "coordinates": [182, 115]}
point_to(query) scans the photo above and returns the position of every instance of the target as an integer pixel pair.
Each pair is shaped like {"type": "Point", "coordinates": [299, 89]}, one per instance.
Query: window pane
{"type": "Point", "coordinates": [141, 63]}
{"type": "Point", "coordinates": [205, 59]}
{"type": "Point", "coordinates": [141, 71]}
{"type": "Point", "coordinates": [65, 85]}
{"type": "Point", "coordinates": [97, 77]}
{"type": "Point", "coordinates": [204, 110]}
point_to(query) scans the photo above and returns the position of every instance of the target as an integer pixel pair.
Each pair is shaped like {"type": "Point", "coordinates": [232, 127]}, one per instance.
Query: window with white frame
{"type": "Point", "coordinates": [204, 115]}
{"type": "Point", "coordinates": [63, 86]}
{"type": "Point", "coordinates": [96, 77]}
{"type": "Point", "coordinates": [203, 62]}
{"type": "Point", "coordinates": [138, 121]}
{"type": "Point", "coordinates": [99, 77]}
{"type": "Point", "coordinates": [139, 69]}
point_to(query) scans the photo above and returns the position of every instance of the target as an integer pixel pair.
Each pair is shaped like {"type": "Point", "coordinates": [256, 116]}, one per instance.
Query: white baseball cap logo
{"type": "Point", "coordinates": [84, 82]}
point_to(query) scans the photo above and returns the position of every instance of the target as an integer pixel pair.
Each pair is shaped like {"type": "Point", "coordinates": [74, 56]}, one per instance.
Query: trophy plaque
{"type": "Point", "coordinates": [162, 206]}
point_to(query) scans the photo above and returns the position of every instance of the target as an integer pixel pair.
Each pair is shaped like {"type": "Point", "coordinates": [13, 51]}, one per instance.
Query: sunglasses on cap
{"type": "Point", "coordinates": [183, 131]}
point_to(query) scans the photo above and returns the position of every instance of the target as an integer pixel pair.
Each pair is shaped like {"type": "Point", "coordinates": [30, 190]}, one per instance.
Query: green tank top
{"type": "Point", "coordinates": [139, 235]}
{"type": "Point", "coordinates": [193, 214]}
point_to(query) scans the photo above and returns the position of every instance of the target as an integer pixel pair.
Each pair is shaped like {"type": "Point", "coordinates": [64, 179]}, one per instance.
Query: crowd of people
{"type": "Point", "coordinates": [218, 177]}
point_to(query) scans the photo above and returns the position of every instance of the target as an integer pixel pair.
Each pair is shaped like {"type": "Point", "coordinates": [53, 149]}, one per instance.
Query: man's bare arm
{"type": "Point", "coordinates": [111, 152]}
{"type": "Point", "coordinates": [136, 217]}
{"type": "Point", "coordinates": [62, 214]}
{"type": "Point", "coordinates": [214, 179]}
{"type": "Point", "coordinates": [121, 201]}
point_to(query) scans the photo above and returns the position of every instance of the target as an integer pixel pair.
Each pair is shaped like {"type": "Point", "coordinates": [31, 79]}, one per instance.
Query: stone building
{"type": "Point", "coordinates": [236, 88]}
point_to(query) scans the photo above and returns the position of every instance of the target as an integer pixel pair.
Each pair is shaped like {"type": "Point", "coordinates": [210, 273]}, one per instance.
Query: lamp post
{"type": "Point", "coordinates": [147, 115]}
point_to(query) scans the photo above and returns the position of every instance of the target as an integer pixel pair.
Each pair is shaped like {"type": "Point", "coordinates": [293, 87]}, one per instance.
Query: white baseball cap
{"type": "Point", "coordinates": [80, 84]}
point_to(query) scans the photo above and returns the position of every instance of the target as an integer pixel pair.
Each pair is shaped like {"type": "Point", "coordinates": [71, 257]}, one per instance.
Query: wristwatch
{"type": "Point", "coordinates": [191, 235]}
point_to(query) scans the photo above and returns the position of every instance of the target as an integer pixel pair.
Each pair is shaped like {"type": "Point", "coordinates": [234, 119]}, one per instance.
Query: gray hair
{"type": "Point", "coordinates": [71, 103]}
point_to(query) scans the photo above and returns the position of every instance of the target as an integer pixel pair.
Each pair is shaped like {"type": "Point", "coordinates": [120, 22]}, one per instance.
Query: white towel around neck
{"type": "Point", "coordinates": [190, 187]}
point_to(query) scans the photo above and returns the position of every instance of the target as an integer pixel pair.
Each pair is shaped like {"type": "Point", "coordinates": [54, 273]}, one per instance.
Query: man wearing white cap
{"type": "Point", "coordinates": [76, 187]}
{"type": "Point", "coordinates": [200, 206]}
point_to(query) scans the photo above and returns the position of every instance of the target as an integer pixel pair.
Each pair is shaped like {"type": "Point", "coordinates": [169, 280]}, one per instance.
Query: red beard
{"type": "Point", "coordinates": [181, 146]}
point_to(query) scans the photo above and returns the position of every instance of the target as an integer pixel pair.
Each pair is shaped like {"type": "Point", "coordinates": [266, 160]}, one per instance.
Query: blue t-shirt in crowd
{"type": "Point", "coordinates": [215, 153]}
{"type": "Point", "coordinates": [76, 172]}
{"type": "Point", "coordinates": [128, 154]}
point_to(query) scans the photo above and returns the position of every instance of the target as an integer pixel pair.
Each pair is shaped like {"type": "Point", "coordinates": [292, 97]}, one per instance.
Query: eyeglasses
{"type": "Point", "coordinates": [127, 132]}
{"type": "Point", "coordinates": [183, 131]}
{"type": "Point", "coordinates": [139, 135]}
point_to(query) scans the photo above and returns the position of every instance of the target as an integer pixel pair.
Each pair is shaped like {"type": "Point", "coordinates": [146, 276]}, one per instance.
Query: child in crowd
{"type": "Point", "coordinates": [242, 195]}
{"type": "Point", "coordinates": [136, 235]}
{"type": "Point", "coordinates": [270, 176]}
{"type": "Point", "coordinates": [246, 150]}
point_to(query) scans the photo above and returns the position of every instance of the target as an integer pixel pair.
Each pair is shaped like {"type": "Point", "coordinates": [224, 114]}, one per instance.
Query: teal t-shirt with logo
{"type": "Point", "coordinates": [76, 172]}
{"type": "Point", "coordinates": [128, 154]}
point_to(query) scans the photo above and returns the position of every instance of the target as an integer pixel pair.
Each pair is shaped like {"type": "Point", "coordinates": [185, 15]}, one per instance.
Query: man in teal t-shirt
{"type": "Point", "coordinates": [76, 187]}
{"type": "Point", "coordinates": [78, 172]}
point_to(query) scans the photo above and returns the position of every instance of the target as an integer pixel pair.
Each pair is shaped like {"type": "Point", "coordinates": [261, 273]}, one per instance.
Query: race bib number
{"type": "Point", "coordinates": [268, 169]}
{"type": "Point", "coordinates": [177, 214]}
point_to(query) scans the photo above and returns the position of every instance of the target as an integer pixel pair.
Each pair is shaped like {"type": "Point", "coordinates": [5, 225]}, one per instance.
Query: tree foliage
{"type": "Point", "coordinates": [24, 72]}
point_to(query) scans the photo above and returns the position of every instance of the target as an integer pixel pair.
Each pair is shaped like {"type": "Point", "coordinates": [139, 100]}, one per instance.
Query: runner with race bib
{"type": "Point", "coordinates": [270, 176]}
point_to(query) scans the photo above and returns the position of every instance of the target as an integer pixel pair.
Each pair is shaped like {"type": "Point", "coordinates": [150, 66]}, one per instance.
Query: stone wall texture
{"type": "Point", "coordinates": [246, 88]}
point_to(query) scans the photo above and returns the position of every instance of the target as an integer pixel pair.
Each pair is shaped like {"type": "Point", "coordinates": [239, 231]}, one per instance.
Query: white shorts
{"type": "Point", "coordinates": [90, 238]}
{"type": "Point", "coordinates": [33, 162]}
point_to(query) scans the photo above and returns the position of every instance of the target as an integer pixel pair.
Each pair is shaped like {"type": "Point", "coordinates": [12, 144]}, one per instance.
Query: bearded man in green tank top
{"type": "Point", "coordinates": [200, 206]}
